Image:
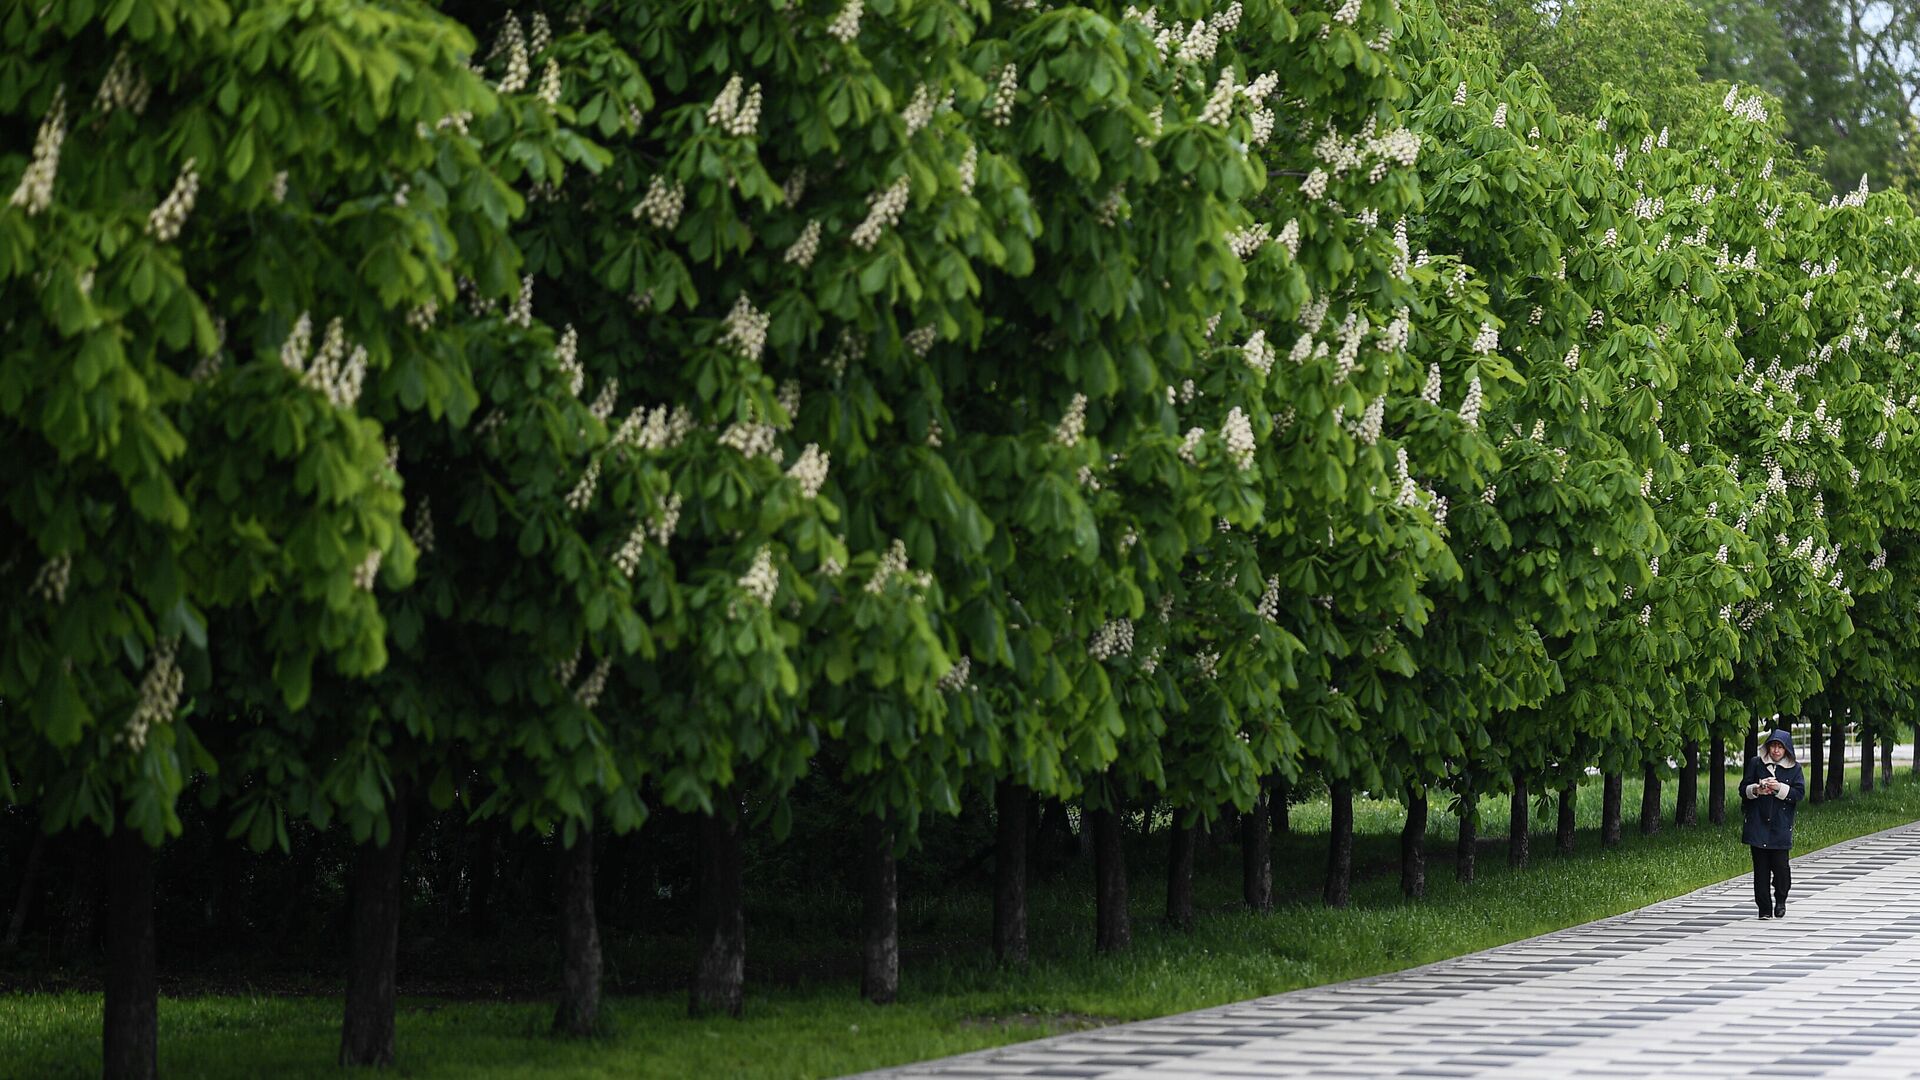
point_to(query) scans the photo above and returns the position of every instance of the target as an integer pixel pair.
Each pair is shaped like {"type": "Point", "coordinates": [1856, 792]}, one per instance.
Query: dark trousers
{"type": "Point", "coordinates": [1770, 863]}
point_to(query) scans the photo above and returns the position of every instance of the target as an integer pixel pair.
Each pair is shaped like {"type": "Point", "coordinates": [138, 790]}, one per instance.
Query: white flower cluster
{"type": "Point", "coordinates": [1460, 94]}
{"type": "Point", "coordinates": [662, 203]}
{"type": "Point", "coordinates": [1490, 494]}
{"type": "Point", "coordinates": [892, 565]}
{"type": "Point", "coordinates": [1367, 428]}
{"type": "Point", "coordinates": [1258, 352]}
{"type": "Point", "coordinates": [762, 579]}
{"type": "Point", "coordinates": [125, 87]}
{"type": "Point", "coordinates": [541, 35]}
{"type": "Point", "coordinates": [1314, 187]}
{"type": "Point", "coordinates": [801, 252]}
{"type": "Point", "coordinates": [1653, 565]}
{"type": "Point", "coordinates": [1752, 108]}
{"type": "Point", "coordinates": [1646, 614]}
{"type": "Point", "coordinates": [1113, 639]}
{"type": "Point", "coordinates": [919, 111]}
{"type": "Point", "coordinates": [969, 166]}
{"type": "Point", "coordinates": [335, 372]}
{"type": "Point", "coordinates": [627, 559]}
{"type": "Point", "coordinates": [1470, 405]}
{"type": "Point", "coordinates": [1219, 108]}
{"type": "Point", "coordinates": [159, 696]}
{"type": "Point", "coordinates": [1247, 242]}
{"type": "Point", "coordinates": [883, 212]}
{"type": "Point", "coordinates": [1348, 13]}
{"type": "Point", "coordinates": [1190, 445]}
{"type": "Point", "coordinates": [1500, 115]}
{"type": "Point", "coordinates": [1208, 663]}
{"type": "Point", "coordinates": [1237, 431]}
{"type": "Point", "coordinates": [566, 358]}
{"type": "Point", "coordinates": [662, 524]}
{"type": "Point", "coordinates": [1646, 485]}
{"type": "Point", "coordinates": [422, 531]}
{"type": "Point", "coordinates": [603, 402]}
{"type": "Point", "coordinates": [1572, 359]}
{"type": "Point", "coordinates": [590, 688]}
{"type": "Point", "coordinates": [522, 313]}
{"type": "Point", "coordinates": [550, 85]}
{"type": "Point", "coordinates": [1879, 561]}
{"type": "Point", "coordinates": [810, 470]}
{"type": "Point", "coordinates": [1269, 606]}
{"type": "Point", "coordinates": [582, 493]}
{"type": "Point", "coordinates": [1108, 211]}
{"type": "Point", "coordinates": [1430, 393]}
{"type": "Point", "coordinates": [957, 677]}
{"type": "Point", "coordinates": [167, 219]}
{"type": "Point", "coordinates": [751, 440]}
{"type": "Point", "coordinates": [422, 315]}
{"type": "Point", "coordinates": [368, 571]}
{"type": "Point", "coordinates": [1006, 89]}
{"type": "Point", "coordinates": [1290, 237]}
{"type": "Point", "coordinates": [846, 25]}
{"type": "Point", "coordinates": [1487, 340]}
{"type": "Point", "coordinates": [746, 328]}
{"type": "Point", "coordinates": [734, 111]}
{"type": "Point", "coordinates": [1074, 424]}
{"type": "Point", "coordinates": [50, 582]}
{"type": "Point", "coordinates": [920, 340]}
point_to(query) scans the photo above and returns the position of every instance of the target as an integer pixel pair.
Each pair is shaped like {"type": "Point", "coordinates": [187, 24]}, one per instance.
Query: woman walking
{"type": "Point", "coordinates": [1770, 790]}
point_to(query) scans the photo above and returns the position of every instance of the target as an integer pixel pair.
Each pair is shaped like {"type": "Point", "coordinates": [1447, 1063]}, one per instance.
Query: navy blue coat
{"type": "Point", "coordinates": [1768, 819]}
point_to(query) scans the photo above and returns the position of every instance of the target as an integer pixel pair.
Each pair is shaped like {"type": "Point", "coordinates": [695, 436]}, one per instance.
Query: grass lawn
{"type": "Point", "coordinates": [952, 998]}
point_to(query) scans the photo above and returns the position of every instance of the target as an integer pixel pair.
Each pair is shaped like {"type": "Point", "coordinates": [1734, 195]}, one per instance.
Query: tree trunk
{"type": "Point", "coordinates": [1467, 843]}
{"type": "Point", "coordinates": [1816, 790]}
{"type": "Point", "coordinates": [1686, 810]}
{"type": "Point", "coordinates": [578, 1013]}
{"type": "Point", "coordinates": [880, 896]}
{"type": "Point", "coordinates": [1010, 804]}
{"type": "Point", "coordinates": [1339, 885]}
{"type": "Point", "coordinates": [1180, 844]}
{"type": "Point", "coordinates": [1836, 758]}
{"type": "Point", "coordinates": [1866, 760]}
{"type": "Point", "coordinates": [1717, 781]}
{"type": "Point", "coordinates": [1113, 931]}
{"type": "Point", "coordinates": [1563, 832]}
{"type": "Point", "coordinates": [366, 1032]}
{"type": "Point", "coordinates": [1886, 761]}
{"type": "Point", "coordinates": [1610, 809]}
{"type": "Point", "coordinates": [1256, 857]}
{"type": "Point", "coordinates": [1413, 846]}
{"type": "Point", "coordinates": [1750, 747]}
{"type": "Point", "coordinates": [131, 1023]}
{"type": "Point", "coordinates": [720, 979]}
{"type": "Point", "coordinates": [17, 921]}
{"type": "Point", "coordinates": [1650, 799]}
{"type": "Point", "coordinates": [1283, 791]}
{"type": "Point", "coordinates": [1915, 770]}
{"type": "Point", "coordinates": [1517, 823]}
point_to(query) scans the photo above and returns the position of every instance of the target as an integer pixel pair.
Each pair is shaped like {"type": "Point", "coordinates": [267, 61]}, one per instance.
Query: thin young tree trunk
{"type": "Point", "coordinates": [720, 979]}
{"type": "Point", "coordinates": [1750, 748]}
{"type": "Point", "coordinates": [1413, 845]}
{"type": "Point", "coordinates": [1517, 822]}
{"type": "Point", "coordinates": [880, 895]}
{"type": "Point", "coordinates": [1717, 781]}
{"type": "Point", "coordinates": [1886, 761]}
{"type": "Point", "coordinates": [366, 1030]}
{"type": "Point", "coordinates": [1836, 758]}
{"type": "Point", "coordinates": [1611, 797]}
{"type": "Point", "coordinates": [1866, 760]}
{"type": "Point", "coordinates": [1563, 832]}
{"type": "Point", "coordinates": [1283, 791]}
{"type": "Point", "coordinates": [1339, 884]}
{"type": "Point", "coordinates": [1686, 810]}
{"type": "Point", "coordinates": [1113, 931]}
{"type": "Point", "coordinates": [1010, 802]}
{"type": "Point", "coordinates": [578, 1011]}
{"type": "Point", "coordinates": [1256, 857]}
{"type": "Point", "coordinates": [1916, 750]}
{"type": "Point", "coordinates": [1467, 844]}
{"type": "Point", "coordinates": [17, 921]}
{"type": "Point", "coordinates": [130, 1027]}
{"type": "Point", "coordinates": [1180, 844]}
{"type": "Point", "coordinates": [1650, 799]}
{"type": "Point", "coordinates": [1816, 791]}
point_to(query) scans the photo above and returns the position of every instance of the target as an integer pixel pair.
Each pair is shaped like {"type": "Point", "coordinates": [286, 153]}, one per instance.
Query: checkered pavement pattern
{"type": "Point", "coordinates": [1695, 986]}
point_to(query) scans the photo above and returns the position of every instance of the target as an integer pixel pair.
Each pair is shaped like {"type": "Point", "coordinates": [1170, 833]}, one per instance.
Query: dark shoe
{"type": "Point", "coordinates": [1765, 914]}
{"type": "Point", "coordinates": [1779, 909]}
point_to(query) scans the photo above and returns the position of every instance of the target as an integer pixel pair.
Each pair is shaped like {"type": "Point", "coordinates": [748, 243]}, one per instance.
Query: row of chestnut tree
{"type": "Point", "coordinates": [556, 415]}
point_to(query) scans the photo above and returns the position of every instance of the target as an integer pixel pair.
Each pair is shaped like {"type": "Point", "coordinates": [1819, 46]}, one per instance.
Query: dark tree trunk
{"type": "Point", "coordinates": [1517, 823]}
{"type": "Point", "coordinates": [1563, 832]}
{"type": "Point", "coordinates": [1113, 931]}
{"type": "Point", "coordinates": [23, 900]}
{"type": "Point", "coordinates": [1010, 804]}
{"type": "Point", "coordinates": [1256, 857]}
{"type": "Point", "coordinates": [131, 1023]}
{"type": "Point", "coordinates": [1836, 758]}
{"type": "Point", "coordinates": [1650, 799]}
{"type": "Point", "coordinates": [1750, 747]}
{"type": "Point", "coordinates": [1283, 791]}
{"type": "Point", "coordinates": [1180, 844]}
{"type": "Point", "coordinates": [1816, 790]}
{"type": "Point", "coordinates": [1056, 839]}
{"type": "Point", "coordinates": [1866, 760]}
{"type": "Point", "coordinates": [1339, 885]}
{"type": "Point", "coordinates": [1886, 761]}
{"type": "Point", "coordinates": [1611, 810]}
{"type": "Point", "coordinates": [1413, 846]}
{"type": "Point", "coordinates": [880, 896]}
{"type": "Point", "coordinates": [1915, 770]}
{"type": "Point", "coordinates": [1467, 843]}
{"type": "Point", "coordinates": [1687, 810]}
{"type": "Point", "coordinates": [720, 979]}
{"type": "Point", "coordinates": [578, 1013]}
{"type": "Point", "coordinates": [366, 1032]}
{"type": "Point", "coordinates": [482, 861]}
{"type": "Point", "coordinates": [1717, 781]}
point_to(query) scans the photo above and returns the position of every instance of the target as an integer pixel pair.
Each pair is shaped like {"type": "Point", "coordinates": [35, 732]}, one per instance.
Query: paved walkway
{"type": "Point", "coordinates": [1686, 987]}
